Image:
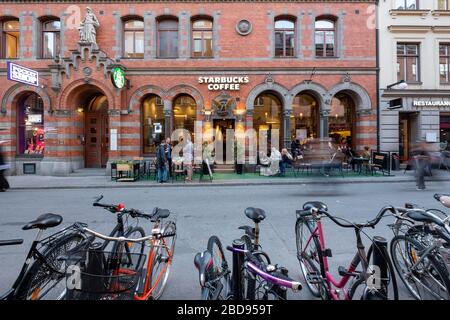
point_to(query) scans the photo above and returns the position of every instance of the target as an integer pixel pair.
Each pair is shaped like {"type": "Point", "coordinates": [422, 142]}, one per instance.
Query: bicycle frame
{"type": "Point", "coordinates": [332, 283]}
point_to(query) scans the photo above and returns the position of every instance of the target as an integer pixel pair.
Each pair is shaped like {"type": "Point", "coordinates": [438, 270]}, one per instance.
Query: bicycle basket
{"type": "Point", "coordinates": [98, 273]}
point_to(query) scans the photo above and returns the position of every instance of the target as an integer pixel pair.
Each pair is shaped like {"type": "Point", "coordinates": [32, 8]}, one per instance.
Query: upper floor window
{"type": "Point", "coordinates": [51, 39]}
{"type": "Point", "coordinates": [202, 36]}
{"type": "Point", "coordinates": [133, 46]}
{"type": "Point", "coordinates": [408, 59]}
{"type": "Point", "coordinates": [325, 38]}
{"type": "Point", "coordinates": [284, 38]}
{"type": "Point", "coordinates": [10, 39]}
{"type": "Point", "coordinates": [444, 62]}
{"type": "Point", "coordinates": [443, 4]}
{"type": "Point", "coordinates": [406, 4]}
{"type": "Point", "coordinates": [168, 38]}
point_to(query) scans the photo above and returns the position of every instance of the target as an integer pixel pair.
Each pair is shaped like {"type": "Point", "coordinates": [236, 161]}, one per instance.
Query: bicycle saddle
{"type": "Point", "coordinates": [203, 261]}
{"type": "Point", "coordinates": [315, 204]}
{"type": "Point", "coordinates": [419, 215]}
{"type": "Point", "coordinates": [444, 199]}
{"type": "Point", "coordinates": [255, 214]}
{"type": "Point", "coordinates": [159, 213]}
{"type": "Point", "coordinates": [44, 221]}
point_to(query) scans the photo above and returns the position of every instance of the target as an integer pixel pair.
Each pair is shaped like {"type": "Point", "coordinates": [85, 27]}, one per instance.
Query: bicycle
{"type": "Point", "coordinates": [420, 251]}
{"type": "Point", "coordinates": [374, 279]}
{"type": "Point", "coordinates": [109, 271]}
{"type": "Point", "coordinates": [42, 273]}
{"type": "Point", "coordinates": [252, 276]}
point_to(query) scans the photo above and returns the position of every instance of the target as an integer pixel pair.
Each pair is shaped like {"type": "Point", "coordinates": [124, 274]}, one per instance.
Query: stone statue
{"type": "Point", "coordinates": [88, 27]}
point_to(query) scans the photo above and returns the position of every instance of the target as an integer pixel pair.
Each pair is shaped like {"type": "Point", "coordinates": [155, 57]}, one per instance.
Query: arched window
{"type": "Point", "coordinates": [133, 39]}
{"type": "Point", "coordinates": [284, 38]}
{"type": "Point", "coordinates": [202, 38]}
{"type": "Point", "coordinates": [10, 39]}
{"type": "Point", "coordinates": [184, 113]}
{"type": "Point", "coordinates": [30, 124]}
{"type": "Point", "coordinates": [304, 122]}
{"type": "Point", "coordinates": [154, 124]}
{"type": "Point", "coordinates": [267, 116]}
{"type": "Point", "coordinates": [168, 38]}
{"type": "Point", "coordinates": [325, 38]}
{"type": "Point", "coordinates": [51, 39]}
{"type": "Point", "coordinates": [341, 118]}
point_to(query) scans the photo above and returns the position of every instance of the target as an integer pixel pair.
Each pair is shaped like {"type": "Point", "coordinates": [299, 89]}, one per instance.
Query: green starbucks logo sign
{"type": "Point", "coordinates": [118, 77]}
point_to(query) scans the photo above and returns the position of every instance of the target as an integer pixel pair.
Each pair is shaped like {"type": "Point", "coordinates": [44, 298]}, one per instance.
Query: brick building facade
{"type": "Point", "coordinates": [307, 68]}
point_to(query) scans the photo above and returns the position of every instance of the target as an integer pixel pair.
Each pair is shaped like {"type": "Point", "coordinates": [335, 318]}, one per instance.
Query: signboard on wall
{"type": "Point", "coordinates": [21, 74]}
{"type": "Point", "coordinates": [113, 140]}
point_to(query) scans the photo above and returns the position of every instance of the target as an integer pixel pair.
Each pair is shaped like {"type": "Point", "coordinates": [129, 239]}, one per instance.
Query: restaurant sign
{"type": "Point", "coordinates": [232, 83]}
{"type": "Point", "coordinates": [21, 74]}
{"type": "Point", "coordinates": [431, 103]}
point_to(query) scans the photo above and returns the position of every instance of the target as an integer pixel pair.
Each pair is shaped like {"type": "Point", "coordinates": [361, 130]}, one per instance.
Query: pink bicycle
{"type": "Point", "coordinates": [375, 280]}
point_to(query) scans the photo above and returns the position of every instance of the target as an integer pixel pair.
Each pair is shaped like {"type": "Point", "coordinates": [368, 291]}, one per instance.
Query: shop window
{"type": "Point", "coordinates": [443, 4]}
{"type": "Point", "coordinates": [10, 39]}
{"type": "Point", "coordinates": [267, 116]}
{"type": "Point", "coordinates": [325, 37]}
{"type": "Point", "coordinates": [133, 37]}
{"type": "Point", "coordinates": [154, 123]}
{"type": "Point", "coordinates": [444, 63]}
{"type": "Point", "coordinates": [445, 131]}
{"type": "Point", "coordinates": [51, 39]}
{"type": "Point", "coordinates": [408, 59]}
{"type": "Point", "coordinates": [168, 38]}
{"type": "Point", "coordinates": [406, 5]}
{"type": "Point", "coordinates": [341, 119]}
{"type": "Point", "coordinates": [284, 38]}
{"type": "Point", "coordinates": [31, 125]}
{"type": "Point", "coordinates": [202, 38]}
{"type": "Point", "coordinates": [304, 121]}
{"type": "Point", "coordinates": [184, 113]}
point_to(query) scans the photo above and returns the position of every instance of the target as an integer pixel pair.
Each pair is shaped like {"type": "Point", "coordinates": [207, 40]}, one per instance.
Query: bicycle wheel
{"type": "Point", "coordinates": [135, 247]}
{"type": "Point", "coordinates": [424, 277]}
{"type": "Point", "coordinates": [162, 260]}
{"type": "Point", "coordinates": [309, 256]}
{"type": "Point", "coordinates": [220, 266]}
{"type": "Point", "coordinates": [44, 280]}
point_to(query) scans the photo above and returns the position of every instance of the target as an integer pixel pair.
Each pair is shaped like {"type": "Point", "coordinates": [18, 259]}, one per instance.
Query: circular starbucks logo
{"type": "Point", "coordinates": [118, 77]}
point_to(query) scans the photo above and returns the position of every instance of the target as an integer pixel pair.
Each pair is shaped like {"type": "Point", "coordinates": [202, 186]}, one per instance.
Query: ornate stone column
{"type": "Point", "coordinates": [324, 113]}
{"type": "Point", "coordinates": [286, 128]}
{"type": "Point", "coordinates": [168, 122]}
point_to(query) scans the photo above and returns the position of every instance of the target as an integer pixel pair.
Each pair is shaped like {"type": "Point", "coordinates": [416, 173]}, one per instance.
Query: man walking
{"type": "Point", "coordinates": [168, 151]}
{"type": "Point", "coordinates": [161, 163]}
{"type": "Point", "coordinates": [188, 156]}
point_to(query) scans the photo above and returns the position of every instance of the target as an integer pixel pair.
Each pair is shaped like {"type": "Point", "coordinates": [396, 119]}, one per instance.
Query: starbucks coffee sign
{"type": "Point", "coordinates": [118, 77]}
{"type": "Point", "coordinates": [224, 83]}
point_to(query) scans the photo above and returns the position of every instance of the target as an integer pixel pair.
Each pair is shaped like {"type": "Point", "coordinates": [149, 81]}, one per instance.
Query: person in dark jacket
{"type": "Point", "coordinates": [4, 185]}
{"type": "Point", "coordinates": [168, 150]}
{"type": "Point", "coordinates": [161, 162]}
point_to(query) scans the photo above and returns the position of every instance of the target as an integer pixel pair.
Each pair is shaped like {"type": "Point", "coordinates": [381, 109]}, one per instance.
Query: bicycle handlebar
{"type": "Point", "coordinates": [369, 224]}
{"type": "Point", "coordinates": [156, 233]}
{"type": "Point", "coordinates": [11, 242]}
{"type": "Point", "coordinates": [120, 209]}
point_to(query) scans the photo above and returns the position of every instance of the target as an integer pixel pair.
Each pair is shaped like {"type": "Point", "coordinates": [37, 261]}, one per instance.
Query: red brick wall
{"type": "Point", "coordinates": [236, 54]}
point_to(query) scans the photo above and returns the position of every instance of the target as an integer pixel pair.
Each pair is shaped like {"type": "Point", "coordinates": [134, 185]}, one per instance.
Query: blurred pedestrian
{"type": "Point", "coordinates": [286, 160]}
{"type": "Point", "coordinates": [168, 151]}
{"type": "Point", "coordinates": [188, 156]}
{"type": "Point", "coordinates": [4, 185]}
{"type": "Point", "coordinates": [421, 161]}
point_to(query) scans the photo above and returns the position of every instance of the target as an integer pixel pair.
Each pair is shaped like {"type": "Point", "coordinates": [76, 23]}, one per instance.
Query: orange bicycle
{"type": "Point", "coordinates": [93, 273]}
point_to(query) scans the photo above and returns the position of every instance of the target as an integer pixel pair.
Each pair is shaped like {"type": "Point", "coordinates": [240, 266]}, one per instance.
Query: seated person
{"type": "Point", "coordinates": [274, 163]}
{"type": "Point", "coordinates": [286, 160]}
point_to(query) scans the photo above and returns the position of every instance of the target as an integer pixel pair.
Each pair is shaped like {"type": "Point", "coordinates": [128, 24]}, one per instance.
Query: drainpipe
{"type": "Point", "coordinates": [377, 36]}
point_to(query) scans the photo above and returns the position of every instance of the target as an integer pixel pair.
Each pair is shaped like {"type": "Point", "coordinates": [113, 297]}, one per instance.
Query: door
{"type": "Point", "coordinates": [97, 141]}
{"type": "Point", "coordinates": [220, 127]}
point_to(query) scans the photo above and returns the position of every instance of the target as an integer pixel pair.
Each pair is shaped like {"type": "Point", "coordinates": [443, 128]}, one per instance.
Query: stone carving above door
{"type": "Point", "coordinates": [223, 106]}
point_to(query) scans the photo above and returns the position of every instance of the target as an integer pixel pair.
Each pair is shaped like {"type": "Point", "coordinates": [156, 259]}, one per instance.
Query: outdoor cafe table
{"type": "Point", "coordinates": [358, 162]}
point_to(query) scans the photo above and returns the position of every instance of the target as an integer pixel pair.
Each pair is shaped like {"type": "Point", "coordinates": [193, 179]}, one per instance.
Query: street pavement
{"type": "Point", "coordinates": [207, 210]}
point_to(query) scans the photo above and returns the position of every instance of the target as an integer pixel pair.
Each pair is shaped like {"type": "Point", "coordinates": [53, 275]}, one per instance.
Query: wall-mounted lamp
{"type": "Point", "coordinates": [400, 85]}
{"type": "Point", "coordinates": [80, 110]}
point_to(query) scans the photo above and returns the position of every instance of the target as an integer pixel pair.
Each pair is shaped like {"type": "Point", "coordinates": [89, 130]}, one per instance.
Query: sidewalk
{"type": "Point", "coordinates": [76, 182]}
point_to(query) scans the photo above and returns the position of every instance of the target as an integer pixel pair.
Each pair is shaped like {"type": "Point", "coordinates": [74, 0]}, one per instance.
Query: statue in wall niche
{"type": "Point", "coordinates": [88, 27]}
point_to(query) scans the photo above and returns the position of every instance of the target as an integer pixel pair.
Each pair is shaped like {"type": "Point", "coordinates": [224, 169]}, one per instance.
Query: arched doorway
{"type": "Point", "coordinates": [267, 117]}
{"type": "Point", "coordinates": [153, 123]}
{"type": "Point", "coordinates": [184, 113]}
{"type": "Point", "coordinates": [341, 120]}
{"type": "Point", "coordinates": [305, 118]}
{"type": "Point", "coordinates": [91, 105]}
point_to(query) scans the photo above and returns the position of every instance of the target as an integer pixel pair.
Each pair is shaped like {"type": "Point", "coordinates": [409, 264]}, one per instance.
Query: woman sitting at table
{"type": "Point", "coordinates": [286, 160]}
{"type": "Point", "coordinates": [273, 161]}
